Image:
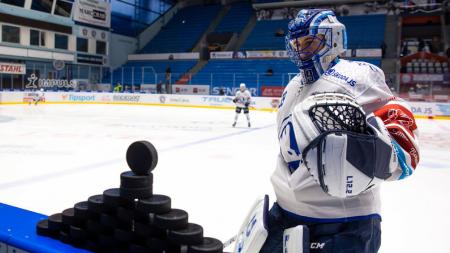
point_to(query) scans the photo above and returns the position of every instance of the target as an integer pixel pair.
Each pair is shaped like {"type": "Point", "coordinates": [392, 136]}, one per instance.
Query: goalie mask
{"type": "Point", "coordinates": [343, 152]}
{"type": "Point", "coordinates": [315, 38]}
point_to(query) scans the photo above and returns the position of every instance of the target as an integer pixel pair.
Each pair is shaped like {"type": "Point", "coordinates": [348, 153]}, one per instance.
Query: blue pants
{"type": "Point", "coordinates": [358, 236]}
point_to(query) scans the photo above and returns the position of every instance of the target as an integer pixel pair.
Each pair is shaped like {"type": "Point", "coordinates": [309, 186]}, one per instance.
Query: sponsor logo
{"type": "Point", "coordinates": [285, 242]}
{"type": "Point", "coordinates": [33, 96]}
{"type": "Point", "coordinates": [422, 110]}
{"type": "Point", "coordinates": [10, 68]}
{"type": "Point", "coordinates": [231, 91]}
{"type": "Point", "coordinates": [48, 83]}
{"type": "Point", "coordinates": [78, 98]}
{"type": "Point", "coordinates": [126, 98]}
{"type": "Point", "coordinates": [162, 99]}
{"type": "Point", "coordinates": [271, 91]}
{"type": "Point", "coordinates": [444, 108]}
{"type": "Point", "coordinates": [349, 186]}
{"type": "Point", "coordinates": [179, 100]}
{"type": "Point", "coordinates": [333, 73]}
{"type": "Point", "coordinates": [275, 103]}
{"type": "Point", "coordinates": [105, 98]}
{"type": "Point", "coordinates": [217, 100]}
{"type": "Point", "coordinates": [317, 245]}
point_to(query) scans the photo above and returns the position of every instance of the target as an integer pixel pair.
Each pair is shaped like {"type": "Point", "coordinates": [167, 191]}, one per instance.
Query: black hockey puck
{"type": "Point", "coordinates": [174, 219]}
{"type": "Point", "coordinates": [68, 217]}
{"type": "Point", "coordinates": [157, 204]}
{"type": "Point", "coordinates": [142, 157]}
{"type": "Point", "coordinates": [129, 179]}
{"type": "Point", "coordinates": [191, 235]}
{"type": "Point", "coordinates": [64, 237]}
{"type": "Point", "coordinates": [141, 216]}
{"type": "Point", "coordinates": [146, 231]}
{"type": "Point", "coordinates": [95, 228]}
{"type": "Point", "coordinates": [209, 245]}
{"type": "Point", "coordinates": [174, 248]}
{"type": "Point", "coordinates": [123, 236]}
{"type": "Point", "coordinates": [136, 248]}
{"type": "Point", "coordinates": [125, 215]}
{"type": "Point", "coordinates": [136, 193]}
{"type": "Point", "coordinates": [91, 245]}
{"type": "Point", "coordinates": [55, 221]}
{"type": "Point", "coordinates": [77, 233]}
{"type": "Point", "coordinates": [106, 241]}
{"type": "Point", "coordinates": [96, 203]}
{"type": "Point", "coordinates": [43, 229]}
{"type": "Point", "coordinates": [109, 221]}
{"type": "Point", "coordinates": [82, 212]}
{"type": "Point", "coordinates": [111, 197]}
{"type": "Point", "coordinates": [157, 244]}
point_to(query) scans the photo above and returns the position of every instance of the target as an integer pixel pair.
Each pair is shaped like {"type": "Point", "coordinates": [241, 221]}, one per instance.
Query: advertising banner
{"type": "Point", "coordinates": [221, 55]}
{"type": "Point", "coordinates": [173, 56]}
{"type": "Point", "coordinates": [271, 91]}
{"type": "Point", "coordinates": [12, 68]}
{"type": "Point", "coordinates": [261, 103]}
{"type": "Point", "coordinates": [406, 78]}
{"type": "Point", "coordinates": [190, 89]}
{"type": "Point", "coordinates": [430, 109]}
{"type": "Point", "coordinates": [267, 54]}
{"type": "Point", "coordinates": [93, 12]}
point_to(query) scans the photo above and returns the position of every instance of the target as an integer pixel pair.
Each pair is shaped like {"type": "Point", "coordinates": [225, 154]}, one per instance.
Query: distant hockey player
{"type": "Point", "coordinates": [341, 134]}
{"type": "Point", "coordinates": [242, 101]}
{"type": "Point", "coordinates": [38, 96]}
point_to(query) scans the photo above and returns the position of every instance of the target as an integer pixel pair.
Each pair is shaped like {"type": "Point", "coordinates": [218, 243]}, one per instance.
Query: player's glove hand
{"type": "Point", "coordinates": [247, 104]}
{"type": "Point", "coordinates": [234, 100]}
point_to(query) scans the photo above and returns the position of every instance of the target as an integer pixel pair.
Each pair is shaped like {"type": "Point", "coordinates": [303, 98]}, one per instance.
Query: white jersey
{"type": "Point", "coordinates": [298, 193]}
{"type": "Point", "coordinates": [242, 97]}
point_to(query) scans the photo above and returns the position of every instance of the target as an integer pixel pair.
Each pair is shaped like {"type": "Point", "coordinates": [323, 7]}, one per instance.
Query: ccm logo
{"type": "Point", "coordinates": [317, 245]}
{"type": "Point", "coordinates": [349, 187]}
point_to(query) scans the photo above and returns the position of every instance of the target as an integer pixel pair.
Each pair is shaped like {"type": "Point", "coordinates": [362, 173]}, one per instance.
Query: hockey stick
{"type": "Point", "coordinates": [229, 241]}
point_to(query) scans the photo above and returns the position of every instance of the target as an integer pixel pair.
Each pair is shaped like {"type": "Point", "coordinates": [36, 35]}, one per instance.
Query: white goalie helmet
{"type": "Point", "coordinates": [315, 38]}
{"type": "Point", "coordinates": [341, 150]}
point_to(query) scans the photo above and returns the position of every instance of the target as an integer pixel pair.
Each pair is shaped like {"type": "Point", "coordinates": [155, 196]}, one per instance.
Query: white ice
{"type": "Point", "coordinates": [52, 156]}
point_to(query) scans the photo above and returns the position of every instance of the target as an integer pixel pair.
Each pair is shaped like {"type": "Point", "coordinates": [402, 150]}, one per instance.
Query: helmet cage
{"type": "Point", "coordinates": [303, 57]}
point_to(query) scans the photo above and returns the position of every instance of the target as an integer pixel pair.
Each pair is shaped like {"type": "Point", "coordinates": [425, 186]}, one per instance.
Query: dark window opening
{"type": "Point", "coordinates": [10, 34]}
{"type": "Point", "coordinates": [61, 41]}
{"type": "Point", "coordinates": [42, 5]}
{"type": "Point", "coordinates": [101, 47]}
{"type": "Point", "coordinates": [82, 45]}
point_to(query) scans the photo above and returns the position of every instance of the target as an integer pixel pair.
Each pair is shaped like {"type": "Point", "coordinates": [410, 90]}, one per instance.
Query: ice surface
{"type": "Point", "coordinates": [52, 156]}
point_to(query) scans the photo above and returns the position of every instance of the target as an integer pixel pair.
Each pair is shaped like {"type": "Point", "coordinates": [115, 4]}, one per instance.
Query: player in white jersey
{"type": "Point", "coordinates": [37, 96]}
{"type": "Point", "coordinates": [341, 133]}
{"type": "Point", "coordinates": [242, 101]}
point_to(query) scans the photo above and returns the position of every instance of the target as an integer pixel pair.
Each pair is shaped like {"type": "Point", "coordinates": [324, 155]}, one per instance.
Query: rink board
{"type": "Point", "coordinates": [18, 233]}
{"type": "Point", "coordinates": [420, 109]}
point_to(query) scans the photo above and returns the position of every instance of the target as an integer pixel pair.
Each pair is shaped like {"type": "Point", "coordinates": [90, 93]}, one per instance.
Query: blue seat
{"type": "Point", "coordinates": [183, 30]}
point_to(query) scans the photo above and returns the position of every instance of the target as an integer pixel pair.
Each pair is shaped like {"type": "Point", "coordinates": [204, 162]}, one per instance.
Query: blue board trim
{"type": "Point", "coordinates": [18, 229]}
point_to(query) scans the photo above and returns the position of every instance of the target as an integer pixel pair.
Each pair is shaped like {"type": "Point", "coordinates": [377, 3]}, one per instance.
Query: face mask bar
{"type": "Point", "coordinates": [304, 48]}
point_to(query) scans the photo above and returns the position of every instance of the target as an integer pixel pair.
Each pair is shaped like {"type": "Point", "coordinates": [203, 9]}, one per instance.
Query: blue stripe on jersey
{"type": "Point", "coordinates": [329, 220]}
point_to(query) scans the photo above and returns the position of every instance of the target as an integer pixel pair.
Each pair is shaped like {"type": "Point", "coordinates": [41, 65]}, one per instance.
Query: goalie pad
{"type": "Point", "coordinates": [345, 155]}
{"type": "Point", "coordinates": [296, 240]}
{"type": "Point", "coordinates": [253, 232]}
